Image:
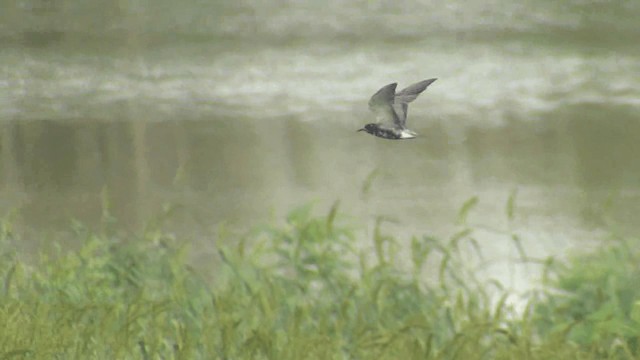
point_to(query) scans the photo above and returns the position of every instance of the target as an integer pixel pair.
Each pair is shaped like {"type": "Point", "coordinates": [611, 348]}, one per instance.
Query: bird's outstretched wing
{"type": "Point", "coordinates": [407, 95]}
{"type": "Point", "coordinates": [381, 103]}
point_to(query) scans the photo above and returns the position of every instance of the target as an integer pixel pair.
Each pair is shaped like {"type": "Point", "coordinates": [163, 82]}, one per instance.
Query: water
{"type": "Point", "coordinates": [237, 112]}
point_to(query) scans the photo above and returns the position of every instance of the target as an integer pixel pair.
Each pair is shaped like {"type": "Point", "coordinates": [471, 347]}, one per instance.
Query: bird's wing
{"type": "Point", "coordinates": [407, 95]}
{"type": "Point", "coordinates": [381, 103]}
{"type": "Point", "coordinates": [400, 109]}
{"type": "Point", "coordinates": [411, 92]}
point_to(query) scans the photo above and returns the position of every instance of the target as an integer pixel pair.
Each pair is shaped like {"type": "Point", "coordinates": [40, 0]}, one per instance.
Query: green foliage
{"type": "Point", "coordinates": [305, 291]}
{"type": "Point", "coordinates": [596, 302]}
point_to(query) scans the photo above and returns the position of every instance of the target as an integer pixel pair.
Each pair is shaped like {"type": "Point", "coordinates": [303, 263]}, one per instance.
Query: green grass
{"type": "Point", "coordinates": [304, 291]}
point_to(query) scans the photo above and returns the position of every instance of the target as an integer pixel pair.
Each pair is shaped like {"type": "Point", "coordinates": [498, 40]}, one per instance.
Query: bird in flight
{"type": "Point", "coordinates": [391, 107]}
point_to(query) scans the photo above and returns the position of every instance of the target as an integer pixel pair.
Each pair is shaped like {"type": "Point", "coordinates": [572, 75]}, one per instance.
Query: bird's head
{"type": "Point", "coordinates": [370, 128]}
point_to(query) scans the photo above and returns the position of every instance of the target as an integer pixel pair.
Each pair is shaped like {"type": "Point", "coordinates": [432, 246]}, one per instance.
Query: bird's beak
{"type": "Point", "coordinates": [360, 129]}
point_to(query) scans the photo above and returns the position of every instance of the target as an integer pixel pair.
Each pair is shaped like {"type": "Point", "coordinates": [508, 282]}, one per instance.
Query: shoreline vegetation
{"type": "Point", "coordinates": [302, 290]}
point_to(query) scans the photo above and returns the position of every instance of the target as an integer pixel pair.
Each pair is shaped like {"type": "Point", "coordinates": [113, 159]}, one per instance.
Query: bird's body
{"type": "Point", "coordinates": [392, 132]}
{"type": "Point", "coordinates": [391, 110]}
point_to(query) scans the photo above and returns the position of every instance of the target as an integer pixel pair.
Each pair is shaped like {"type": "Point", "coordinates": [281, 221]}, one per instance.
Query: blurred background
{"type": "Point", "coordinates": [234, 112]}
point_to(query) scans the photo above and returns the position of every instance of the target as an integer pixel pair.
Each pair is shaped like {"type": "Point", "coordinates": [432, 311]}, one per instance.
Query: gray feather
{"type": "Point", "coordinates": [383, 97]}
{"type": "Point", "coordinates": [411, 92]}
{"type": "Point", "coordinates": [407, 95]}
{"type": "Point", "coordinates": [381, 104]}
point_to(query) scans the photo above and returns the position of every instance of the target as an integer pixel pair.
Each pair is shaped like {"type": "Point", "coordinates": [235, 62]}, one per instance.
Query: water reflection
{"type": "Point", "coordinates": [241, 170]}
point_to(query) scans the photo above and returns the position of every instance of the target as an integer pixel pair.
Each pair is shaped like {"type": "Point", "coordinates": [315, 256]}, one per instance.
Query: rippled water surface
{"type": "Point", "coordinates": [235, 112]}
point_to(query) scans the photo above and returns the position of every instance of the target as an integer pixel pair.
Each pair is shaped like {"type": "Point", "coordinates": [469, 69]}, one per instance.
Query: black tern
{"type": "Point", "coordinates": [391, 110]}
